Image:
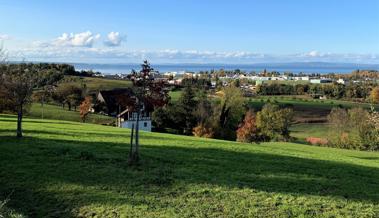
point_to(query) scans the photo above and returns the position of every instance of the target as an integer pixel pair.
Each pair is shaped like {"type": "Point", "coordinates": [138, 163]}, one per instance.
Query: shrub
{"type": "Point", "coordinates": [202, 131]}
{"type": "Point", "coordinates": [317, 141]}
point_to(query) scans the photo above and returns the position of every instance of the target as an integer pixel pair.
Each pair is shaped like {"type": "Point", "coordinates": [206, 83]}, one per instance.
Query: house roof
{"type": "Point", "coordinates": [115, 95]}
{"type": "Point", "coordinates": [116, 98]}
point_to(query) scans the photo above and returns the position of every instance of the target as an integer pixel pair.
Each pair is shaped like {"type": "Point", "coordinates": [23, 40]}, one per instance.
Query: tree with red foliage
{"type": "Point", "coordinates": [148, 95]}
{"type": "Point", "coordinates": [248, 131]}
{"type": "Point", "coordinates": [85, 107]}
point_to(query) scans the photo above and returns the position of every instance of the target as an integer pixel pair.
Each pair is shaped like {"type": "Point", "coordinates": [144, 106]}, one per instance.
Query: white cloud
{"type": "Point", "coordinates": [313, 54]}
{"type": "Point", "coordinates": [41, 51]}
{"type": "Point", "coordinates": [84, 39]}
{"type": "Point", "coordinates": [114, 39]}
{"type": "Point", "coordinates": [4, 37]}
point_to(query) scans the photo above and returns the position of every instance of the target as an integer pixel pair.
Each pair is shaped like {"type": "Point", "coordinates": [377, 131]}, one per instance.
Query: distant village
{"type": "Point", "coordinates": [253, 78]}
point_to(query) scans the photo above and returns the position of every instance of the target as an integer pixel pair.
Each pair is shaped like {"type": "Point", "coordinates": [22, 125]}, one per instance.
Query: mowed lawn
{"type": "Point", "coordinates": [70, 169]}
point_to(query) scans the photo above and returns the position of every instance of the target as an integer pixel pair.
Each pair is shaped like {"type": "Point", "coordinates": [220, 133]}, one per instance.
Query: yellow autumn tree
{"type": "Point", "coordinates": [374, 95]}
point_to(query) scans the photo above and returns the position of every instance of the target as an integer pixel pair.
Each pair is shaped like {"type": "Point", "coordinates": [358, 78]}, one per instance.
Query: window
{"type": "Point", "coordinates": [145, 124]}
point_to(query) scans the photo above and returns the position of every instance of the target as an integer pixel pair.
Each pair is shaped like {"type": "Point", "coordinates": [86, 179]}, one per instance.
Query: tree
{"type": "Point", "coordinates": [229, 113]}
{"type": "Point", "coordinates": [248, 131]}
{"type": "Point", "coordinates": [185, 110]}
{"type": "Point", "coordinates": [353, 129]}
{"type": "Point", "coordinates": [5, 102]}
{"type": "Point", "coordinates": [70, 94]}
{"type": "Point", "coordinates": [19, 81]}
{"type": "Point", "coordinates": [148, 94]}
{"type": "Point", "coordinates": [374, 95]}
{"type": "Point", "coordinates": [85, 107]}
{"type": "Point", "coordinates": [274, 123]}
{"type": "Point", "coordinates": [203, 111]}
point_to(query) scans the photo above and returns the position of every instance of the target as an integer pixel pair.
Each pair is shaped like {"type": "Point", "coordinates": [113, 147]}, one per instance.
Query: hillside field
{"type": "Point", "coordinates": [50, 111]}
{"type": "Point", "coordinates": [95, 84]}
{"type": "Point", "coordinates": [70, 169]}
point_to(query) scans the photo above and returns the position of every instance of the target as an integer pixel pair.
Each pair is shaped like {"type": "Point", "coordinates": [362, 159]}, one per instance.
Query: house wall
{"type": "Point", "coordinates": [144, 125]}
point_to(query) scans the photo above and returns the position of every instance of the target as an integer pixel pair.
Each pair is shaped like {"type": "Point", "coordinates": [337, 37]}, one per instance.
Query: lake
{"type": "Point", "coordinates": [308, 68]}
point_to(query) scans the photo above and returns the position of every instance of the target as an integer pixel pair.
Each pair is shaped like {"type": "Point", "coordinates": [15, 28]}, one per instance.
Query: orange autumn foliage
{"type": "Point", "coordinates": [85, 107]}
{"type": "Point", "coordinates": [248, 131]}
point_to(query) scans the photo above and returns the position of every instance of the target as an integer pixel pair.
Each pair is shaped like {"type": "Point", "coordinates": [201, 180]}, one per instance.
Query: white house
{"type": "Point", "coordinates": [321, 80]}
{"type": "Point", "coordinates": [127, 119]}
{"type": "Point", "coordinates": [342, 81]}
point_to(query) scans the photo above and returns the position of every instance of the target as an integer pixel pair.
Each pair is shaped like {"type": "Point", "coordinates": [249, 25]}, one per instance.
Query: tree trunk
{"type": "Point", "coordinates": [137, 135]}
{"type": "Point", "coordinates": [134, 154]}
{"type": "Point", "coordinates": [42, 104]}
{"type": "Point", "coordinates": [19, 122]}
{"type": "Point", "coordinates": [131, 145]}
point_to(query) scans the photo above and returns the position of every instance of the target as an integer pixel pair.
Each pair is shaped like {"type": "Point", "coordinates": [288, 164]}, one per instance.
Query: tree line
{"type": "Point", "coordinates": [335, 91]}
{"type": "Point", "coordinates": [221, 116]}
{"type": "Point", "coordinates": [354, 128]}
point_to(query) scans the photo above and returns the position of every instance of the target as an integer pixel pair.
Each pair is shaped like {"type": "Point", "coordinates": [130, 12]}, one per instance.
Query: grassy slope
{"type": "Point", "coordinates": [57, 113]}
{"type": "Point", "coordinates": [94, 84]}
{"type": "Point", "coordinates": [71, 169]}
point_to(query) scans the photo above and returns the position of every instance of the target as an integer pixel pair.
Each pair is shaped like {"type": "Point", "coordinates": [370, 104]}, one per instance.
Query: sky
{"type": "Point", "coordinates": [191, 31]}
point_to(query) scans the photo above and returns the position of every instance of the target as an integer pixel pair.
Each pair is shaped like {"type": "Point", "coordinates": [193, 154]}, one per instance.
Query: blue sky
{"type": "Point", "coordinates": [170, 31]}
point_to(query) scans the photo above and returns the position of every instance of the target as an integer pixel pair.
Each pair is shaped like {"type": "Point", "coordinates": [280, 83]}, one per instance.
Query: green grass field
{"type": "Point", "coordinates": [95, 84]}
{"type": "Point", "coordinates": [302, 131]}
{"type": "Point", "coordinates": [58, 113]}
{"type": "Point", "coordinates": [70, 169]}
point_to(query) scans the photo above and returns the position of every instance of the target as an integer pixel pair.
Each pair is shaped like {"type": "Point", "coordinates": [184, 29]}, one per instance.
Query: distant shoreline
{"type": "Point", "coordinates": [306, 68]}
{"type": "Point", "coordinates": [294, 67]}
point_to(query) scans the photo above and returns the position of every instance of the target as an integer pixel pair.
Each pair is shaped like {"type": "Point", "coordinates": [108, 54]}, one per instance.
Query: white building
{"type": "Point", "coordinates": [127, 119]}
{"type": "Point", "coordinates": [342, 81]}
{"type": "Point", "coordinates": [322, 80]}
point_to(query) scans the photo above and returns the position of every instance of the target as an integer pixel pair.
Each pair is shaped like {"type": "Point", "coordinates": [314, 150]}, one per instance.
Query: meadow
{"type": "Point", "coordinates": [95, 84]}
{"type": "Point", "coordinates": [51, 111]}
{"type": "Point", "coordinates": [71, 169]}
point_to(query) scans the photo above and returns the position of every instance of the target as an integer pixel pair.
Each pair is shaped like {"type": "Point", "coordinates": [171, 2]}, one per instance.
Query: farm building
{"type": "Point", "coordinates": [120, 103]}
{"type": "Point", "coordinates": [112, 102]}
{"type": "Point", "coordinates": [127, 119]}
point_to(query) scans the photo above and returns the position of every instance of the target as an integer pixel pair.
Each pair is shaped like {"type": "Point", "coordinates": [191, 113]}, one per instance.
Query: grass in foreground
{"type": "Point", "coordinates": [63, 169]}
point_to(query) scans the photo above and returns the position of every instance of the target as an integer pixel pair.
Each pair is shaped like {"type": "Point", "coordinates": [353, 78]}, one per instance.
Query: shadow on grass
{"type": "Point", "coordinates": [58, 176]}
